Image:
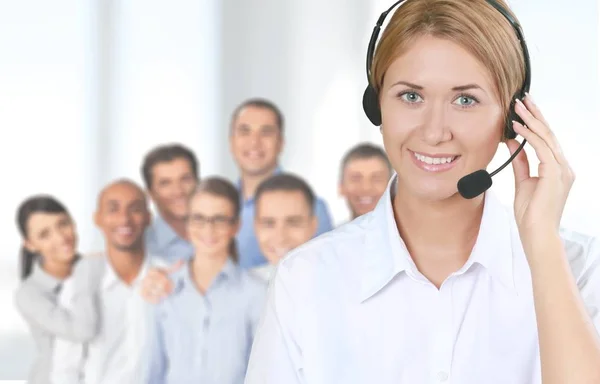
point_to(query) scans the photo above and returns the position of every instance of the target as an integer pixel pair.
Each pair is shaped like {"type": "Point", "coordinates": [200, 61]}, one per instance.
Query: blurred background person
{"type": "Point", "coordinates": [48, 256]}
{"type": "Point", "coordinates": [170, 174]}
{"type": "Point", "coordinates": [205, 328]}
{"type": "Point", "coordinates": [284, 218]}
{"type": "Point", "coordinates": [256, 140]}
{"type": "Point", "coordinates": [364, 175]}
{"type": "Point", "coordinates": [120, 352]}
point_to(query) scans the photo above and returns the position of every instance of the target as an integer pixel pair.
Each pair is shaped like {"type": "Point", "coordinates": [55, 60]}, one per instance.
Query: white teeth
{"type": "Point", "coordinates": [433, 160]}
{"type": "Point", "coordinates": [124, 230]}
{"type": "Point", "coordinates": [254, 154]}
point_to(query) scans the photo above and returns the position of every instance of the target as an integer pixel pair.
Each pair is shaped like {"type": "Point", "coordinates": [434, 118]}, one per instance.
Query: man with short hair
{"type": "Point", "coordinates": [256, 140]}
{"type": "Point", "coordinates": [364, 175]}
{"type": "Point", "coordinates": [118, 353]}
{"type": "Point", "coordinates": [284, 218]}
{"type": "Point", "coordinates": [171, 174]}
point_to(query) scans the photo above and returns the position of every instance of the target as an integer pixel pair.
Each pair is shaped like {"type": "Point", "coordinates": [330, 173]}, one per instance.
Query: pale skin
{"type": "Point", "coordinates": [437, 118]}
{"type": "Point", "coordinates": [211, 245]}
{"type": "Point", "coordinates": [53, 236]}
{"type": "Point", "coordinates": [173, 182]}
{"type": "Point", "coordinates": [255, 141]}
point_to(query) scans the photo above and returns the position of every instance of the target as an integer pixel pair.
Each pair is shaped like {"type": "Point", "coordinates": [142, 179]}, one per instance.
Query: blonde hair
{"type": "Point", "coordinates": [474, 24]}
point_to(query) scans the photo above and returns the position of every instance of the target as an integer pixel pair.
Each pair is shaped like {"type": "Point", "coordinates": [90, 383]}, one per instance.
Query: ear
{"type": "Point", "coordinates": [148, 218]}
{"type": "Point", "coordinates": [281, 143]}
{"type": "Point", "coordinates": [314, 224]}
{"type": "Point", "coordinates": [236, 227]}
{"type": "Point", "coordinates": [30, 247]}
{"type": "Point", "coordinates": [97, 218]}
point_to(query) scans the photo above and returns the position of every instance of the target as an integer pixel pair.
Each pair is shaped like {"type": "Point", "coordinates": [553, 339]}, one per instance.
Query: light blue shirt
{"type": "Point", "coordinates": [162, 241]}
{"type": "Point", "coordinates": [207, 338]}
{"type": "Point", "coordinates": [248, 249]}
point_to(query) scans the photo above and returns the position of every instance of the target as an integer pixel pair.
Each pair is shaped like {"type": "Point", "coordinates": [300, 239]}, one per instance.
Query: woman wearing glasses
{"type": "Point", "coordinates": [205, 327]}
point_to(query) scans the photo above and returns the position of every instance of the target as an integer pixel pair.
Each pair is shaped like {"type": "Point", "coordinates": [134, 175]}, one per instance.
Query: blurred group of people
{"type": "Point", "coordinates": [176, 297]}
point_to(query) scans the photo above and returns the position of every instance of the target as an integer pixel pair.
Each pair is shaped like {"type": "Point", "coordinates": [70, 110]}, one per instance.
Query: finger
{"type": "Point", "coordinates": [175, 267]}
{"type": "Point", "coordinates": [533, 108]}
{"type": "Point", "coordinates": [540, 128]}
{"type": "Point", "coordinates": [542, 150]}
{"type": "Point", "coordinates": [520, 163]}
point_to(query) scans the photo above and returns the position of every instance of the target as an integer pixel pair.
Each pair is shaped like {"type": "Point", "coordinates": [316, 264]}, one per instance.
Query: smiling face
{"type": "Point", "coordinates": [173, 183]}
{"type": "Point", "coordinates": [212, 224]}
{"type": "Point", "coordinates": [363, 182]}
{"type": "Point", "coordinates": [123, 216]}
{"type": "Point", "coordinates": [284, 220]}
{"type": "Point", "coordinates": [256, 140]}
{"type": "Point", "coordinates": [441, 118]}
{"type": "Point", "coordinates": [53, 236]}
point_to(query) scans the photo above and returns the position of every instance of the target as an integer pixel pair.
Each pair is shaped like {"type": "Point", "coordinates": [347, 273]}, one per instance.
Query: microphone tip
{"type": "Point", "coordinates": [474, 184]}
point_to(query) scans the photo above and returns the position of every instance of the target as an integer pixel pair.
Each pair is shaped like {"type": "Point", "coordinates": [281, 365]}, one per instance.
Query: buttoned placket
{"type": "Point", "coordinates": [444, 334]}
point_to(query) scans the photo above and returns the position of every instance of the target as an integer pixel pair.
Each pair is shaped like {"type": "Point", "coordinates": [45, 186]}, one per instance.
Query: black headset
{"type": "Point", "coordinates": [476, 183]}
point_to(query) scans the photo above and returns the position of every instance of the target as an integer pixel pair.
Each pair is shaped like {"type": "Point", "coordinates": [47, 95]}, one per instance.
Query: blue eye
{"type": "Point", "coordinates": [465, 101]}
{"type": "Point", "coordinates": [411, 97]}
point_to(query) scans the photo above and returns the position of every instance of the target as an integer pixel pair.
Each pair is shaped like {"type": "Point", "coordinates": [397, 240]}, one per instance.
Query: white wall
{"type": "Point", "coordinates": [46, 118]}
{"type": "Point", "coordinates": [87, 87]}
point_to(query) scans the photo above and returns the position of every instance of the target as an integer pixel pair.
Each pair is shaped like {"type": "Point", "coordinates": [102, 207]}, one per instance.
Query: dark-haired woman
{"type": "Point", "coordinates": [48, 256]}
{"type": "Point", "coordinates": [205, 328]}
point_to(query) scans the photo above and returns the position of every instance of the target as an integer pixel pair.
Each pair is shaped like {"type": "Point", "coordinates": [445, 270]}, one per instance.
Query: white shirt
{"type": "Point", "coordinates": [264, 272]}
{"type": "Point", "coordinates": [119, 353]}
{"type": "Point", "coordinates": [351, 307]}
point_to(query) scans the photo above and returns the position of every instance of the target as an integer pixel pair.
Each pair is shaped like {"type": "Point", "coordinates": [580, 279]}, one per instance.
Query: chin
{"type": "Point", "coordinates": [434, 191]}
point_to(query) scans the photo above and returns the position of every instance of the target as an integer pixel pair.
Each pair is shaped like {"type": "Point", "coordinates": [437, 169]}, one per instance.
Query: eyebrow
{"type": "Point", "coordinates": [457, 88]}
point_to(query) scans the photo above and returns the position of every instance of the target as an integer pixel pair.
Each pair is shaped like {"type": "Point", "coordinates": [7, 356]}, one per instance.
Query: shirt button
{"type": "Point", "coordinates": [442, 376]}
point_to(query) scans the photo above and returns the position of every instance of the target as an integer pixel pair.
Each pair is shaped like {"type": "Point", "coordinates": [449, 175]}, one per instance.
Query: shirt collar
{"type": "Point", "coordinates": [386, 254]}
{"type": "Point", "coordinates": [46, 281]}
{"type": "Point", "coordinates": [228, 271]}
{"type": "Point", "coordinates": [277, 171]}
{"type": "Point", "coordinates": [110, 277]}
{"type": "Point", "coordinates": [164, 234]}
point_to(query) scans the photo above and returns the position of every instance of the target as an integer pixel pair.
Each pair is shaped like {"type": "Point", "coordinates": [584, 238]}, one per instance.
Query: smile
{"type": "Point", "coordinates": [434, 163]}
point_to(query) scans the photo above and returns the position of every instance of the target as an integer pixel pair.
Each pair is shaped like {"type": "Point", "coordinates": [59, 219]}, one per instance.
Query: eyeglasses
{"type": "Point", "coordinates": [219, 222]}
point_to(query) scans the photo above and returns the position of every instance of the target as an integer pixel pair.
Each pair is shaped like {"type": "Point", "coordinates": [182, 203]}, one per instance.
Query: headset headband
{"type": "Point", "coordinates": [516, 26]}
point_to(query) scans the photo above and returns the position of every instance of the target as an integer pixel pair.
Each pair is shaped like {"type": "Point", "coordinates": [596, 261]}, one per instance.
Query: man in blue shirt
{"type": "Point", "coordinates": [170, 173]}
{"type": "Point", "coordinates": [256, 141]}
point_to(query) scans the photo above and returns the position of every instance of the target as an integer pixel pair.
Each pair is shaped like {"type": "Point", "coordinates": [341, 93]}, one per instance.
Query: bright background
{"type": "Point", "coordinates": [88, 86]}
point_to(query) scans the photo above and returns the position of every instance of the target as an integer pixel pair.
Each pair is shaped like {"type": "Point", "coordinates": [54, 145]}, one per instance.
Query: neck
{"type": "Point", "coordinates": [57, 269]}
{"type": "Point", "coordinates": [178, 225]}
{"type": "Point", "coordinates": [250, 182]}
{"type": "Point", "coordinates": [126, 263]}
{"type": "Point", "coordinates": [206, 268]}
{"type": "Point", "coordinates": [441, 232]}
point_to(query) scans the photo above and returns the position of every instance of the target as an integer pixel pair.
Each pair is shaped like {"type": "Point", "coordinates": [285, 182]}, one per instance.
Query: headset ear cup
{"type": "Point", "coordinates": [512, 115]}
{"type": "Point", "coordinates": [371, 106]}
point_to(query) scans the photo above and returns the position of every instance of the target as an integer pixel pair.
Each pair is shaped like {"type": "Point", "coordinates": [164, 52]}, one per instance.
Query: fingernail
{"type": "Point", "coordinates": [528, 96]}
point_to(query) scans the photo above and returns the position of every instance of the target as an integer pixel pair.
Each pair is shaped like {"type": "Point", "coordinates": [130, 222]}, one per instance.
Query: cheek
{"type": "Point", "coordinates": [271, 145]}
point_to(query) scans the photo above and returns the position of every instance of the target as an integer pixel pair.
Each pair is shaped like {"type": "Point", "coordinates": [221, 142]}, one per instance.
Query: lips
{"type": "Point", "coordinates": [124, 231]}
{"type": "Point", "coordinates": [254, 155]}
{"type": "Point", "coordinates": [366, 200]}
{"type": "Point", "coordinates": [434, 162]}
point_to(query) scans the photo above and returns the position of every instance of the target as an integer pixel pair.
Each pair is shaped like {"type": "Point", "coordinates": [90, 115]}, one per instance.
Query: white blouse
{"type": "Point", "coordinates": [351, 307]}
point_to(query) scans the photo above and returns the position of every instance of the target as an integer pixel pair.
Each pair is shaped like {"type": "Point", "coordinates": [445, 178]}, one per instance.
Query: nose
{"type": "Point", "coordinates": [122, 217]}
{"type": "Point", "coordinates": [280, 235]}
{"type": "Point", "coordinates": [435, 130]}
{"type": "Point", "coordinates": [254, 138]}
